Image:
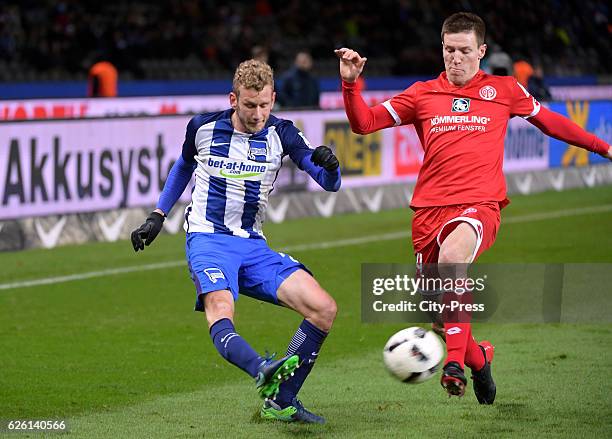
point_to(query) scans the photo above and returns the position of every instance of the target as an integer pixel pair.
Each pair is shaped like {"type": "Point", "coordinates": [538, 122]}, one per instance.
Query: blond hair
{"type": "Point", "coordinates": [253, 74]}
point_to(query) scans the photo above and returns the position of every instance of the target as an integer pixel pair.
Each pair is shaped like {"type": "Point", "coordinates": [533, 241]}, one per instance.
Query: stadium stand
{"type": "Point", "coordinates": [191, 39]}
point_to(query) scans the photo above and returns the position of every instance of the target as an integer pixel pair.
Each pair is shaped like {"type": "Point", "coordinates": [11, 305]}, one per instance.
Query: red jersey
{"type": "Point", "coordinates": [462, 130]}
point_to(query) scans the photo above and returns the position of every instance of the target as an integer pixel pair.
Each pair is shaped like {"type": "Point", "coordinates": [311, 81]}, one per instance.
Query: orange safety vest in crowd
{"type": "Point", "coordinates": [102, 80]}
{"type": "Point", "coordinates": [522, 72]}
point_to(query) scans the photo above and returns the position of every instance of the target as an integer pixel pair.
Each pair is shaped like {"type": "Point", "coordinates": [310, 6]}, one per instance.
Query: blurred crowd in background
{"type": "Point", "coordinates": [206, 39]}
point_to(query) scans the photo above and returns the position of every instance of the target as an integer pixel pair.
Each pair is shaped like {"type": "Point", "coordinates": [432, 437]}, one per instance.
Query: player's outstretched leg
{"type": "Point", "coordinates": [301, 292]}
{"type": "Point", "coordinates": [456, 252]}
{"type": "Point", "coordinates": [306, 343]}
{"type": "Point", "coordinates": [484, 386]}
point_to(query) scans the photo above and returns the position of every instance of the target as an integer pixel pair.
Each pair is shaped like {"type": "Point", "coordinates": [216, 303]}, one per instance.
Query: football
{"type": "Point", "coordinates": [413, 355]}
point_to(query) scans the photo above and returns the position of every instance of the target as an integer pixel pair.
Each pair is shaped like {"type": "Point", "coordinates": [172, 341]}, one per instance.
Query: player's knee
{"type": "Point", "coordinates": [325, 314]}
{"type": "Point", "coordinates": [217, 310]}
{"type": "Point", "coordinates": [452, 254]}
{"type": "Point", "coordinates": [331, 310]}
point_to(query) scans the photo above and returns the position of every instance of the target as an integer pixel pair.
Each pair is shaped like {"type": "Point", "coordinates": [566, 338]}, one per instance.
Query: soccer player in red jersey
{"type": "Point", "coordinates": [461, 119]}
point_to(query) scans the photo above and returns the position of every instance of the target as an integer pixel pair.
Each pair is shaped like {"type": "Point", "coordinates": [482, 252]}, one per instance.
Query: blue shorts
{"type": "Point", "coordinates": [240, 265]}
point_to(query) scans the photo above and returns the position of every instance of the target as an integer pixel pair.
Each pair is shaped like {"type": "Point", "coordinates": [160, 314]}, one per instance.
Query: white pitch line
{"type": "Point", "coordinates": [557, 214]}
{"type": "Point", "coordinates": [347, 242]}
{"type": "Point", "coordinates": [172, 264]}
{"type": "Point", "coordinates": [90, 274]}
{"type": "Point", "coordinates": [300, 247]}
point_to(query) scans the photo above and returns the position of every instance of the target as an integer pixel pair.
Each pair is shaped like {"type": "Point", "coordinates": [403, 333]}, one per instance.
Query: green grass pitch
{"type": "Point", "coordinates": [124, 355]}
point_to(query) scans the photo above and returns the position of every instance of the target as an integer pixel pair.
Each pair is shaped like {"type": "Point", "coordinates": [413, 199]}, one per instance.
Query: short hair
{"type": "Point", "coordinates": [464, 22]}
{"type": "Point", "coordinates": [253, 74]}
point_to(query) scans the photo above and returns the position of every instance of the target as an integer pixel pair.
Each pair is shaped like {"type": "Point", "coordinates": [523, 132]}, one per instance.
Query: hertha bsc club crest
{"type": "Point", "coordinates": [258, 150]}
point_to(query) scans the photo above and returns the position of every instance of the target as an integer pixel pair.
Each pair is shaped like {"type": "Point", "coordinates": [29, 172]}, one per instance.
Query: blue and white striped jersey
{"type": "Point", "coordinates": [235, 172]}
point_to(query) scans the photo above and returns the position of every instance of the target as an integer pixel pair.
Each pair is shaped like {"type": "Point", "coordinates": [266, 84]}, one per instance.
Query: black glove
{"type": "Point", "coordinates": [324, 157]}
{"type": "Point", "coordinates": [148, 231]}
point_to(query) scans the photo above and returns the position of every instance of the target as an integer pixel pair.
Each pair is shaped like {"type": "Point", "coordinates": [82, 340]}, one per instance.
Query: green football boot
{"type": "Point", "coordinates": [293, 413]}
{"type": "Point", "coordinates": [272, 373]}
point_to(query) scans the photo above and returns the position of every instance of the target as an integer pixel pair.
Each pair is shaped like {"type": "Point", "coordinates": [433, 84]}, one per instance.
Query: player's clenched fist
{"type": "Point", "coordinates": [324, 157]}
{"type": "Point", "coordinates": [351, 64]}
{"type": "Point", "coordinates": [147, 231]}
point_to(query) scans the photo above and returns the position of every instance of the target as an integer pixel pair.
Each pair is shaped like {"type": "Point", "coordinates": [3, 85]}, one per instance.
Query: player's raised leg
{"type": "Point", "coordinates": [268, 373]}
{"type": "Point", "coordinates": [456, 251]}
{"type": "Point", "coordinates": [302, 293]}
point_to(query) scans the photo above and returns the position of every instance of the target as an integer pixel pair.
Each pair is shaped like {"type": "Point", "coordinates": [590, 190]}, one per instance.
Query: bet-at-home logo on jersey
{"type": "Point", "coordinates": [460, 105]}
{"type": "Point", "coordinates": [235, 169]}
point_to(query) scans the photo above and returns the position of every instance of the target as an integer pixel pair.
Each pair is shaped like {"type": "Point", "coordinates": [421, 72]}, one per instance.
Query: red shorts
{"type": "Point", "coordinates": [431, 225]}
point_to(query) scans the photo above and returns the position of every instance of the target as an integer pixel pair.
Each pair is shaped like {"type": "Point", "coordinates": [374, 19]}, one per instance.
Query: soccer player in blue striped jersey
{"type": "Point", "coordinates": [235, 155]}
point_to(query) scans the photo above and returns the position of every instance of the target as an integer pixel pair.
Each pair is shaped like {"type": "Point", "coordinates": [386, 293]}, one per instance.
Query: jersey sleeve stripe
{"type": "Point", "coordinates": [392, 112]}
{"type": "Point", "coordinates": [536, 109]}
{"type": "Point", "coordinates": [523, 88]}
{"type": "Point", "coordinates": [536, 104]}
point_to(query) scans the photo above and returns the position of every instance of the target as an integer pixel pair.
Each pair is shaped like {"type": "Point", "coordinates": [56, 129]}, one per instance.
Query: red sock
{"type": "Point", "coordinates": [457, 335]}
{"type": "Point", "coordinates": [474, 359]}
